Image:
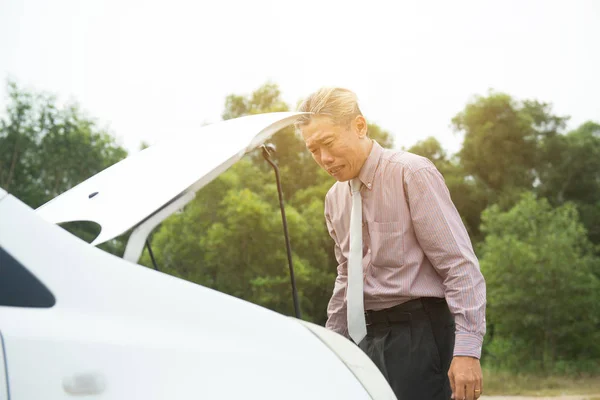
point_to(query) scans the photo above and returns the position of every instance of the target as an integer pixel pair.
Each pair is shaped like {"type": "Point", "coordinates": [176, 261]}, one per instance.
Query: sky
{"type": "Point", "coordinates": [147, 69]}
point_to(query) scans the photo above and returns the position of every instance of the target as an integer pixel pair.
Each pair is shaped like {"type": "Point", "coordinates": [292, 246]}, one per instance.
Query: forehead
{"type": "Point", "coordinates": [318, 129]}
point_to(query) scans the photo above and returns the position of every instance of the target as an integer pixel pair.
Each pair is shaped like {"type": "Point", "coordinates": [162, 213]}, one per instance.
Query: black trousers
{"type": "Point", "coordinates": [412, 344]}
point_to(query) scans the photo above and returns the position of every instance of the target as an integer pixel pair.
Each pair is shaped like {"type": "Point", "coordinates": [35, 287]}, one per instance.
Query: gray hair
{"type": "Point", "coordinates": [338, 104]}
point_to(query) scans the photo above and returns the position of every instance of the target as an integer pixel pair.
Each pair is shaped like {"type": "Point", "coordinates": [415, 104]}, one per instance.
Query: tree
{"type": "Point", "coordinates": [570, 172]}
{"type": "Point", "coordinates": [46, 150]}
{"type": "Point", "coordinates": [543, 297]}
{"type": "Point", "coordinates": [230, 238]}
{"type": "Point", "coordinates": [431, 149]}
{"type": "Point", "coordinates": [298, 170]}
{"type": "Point", "coordinates": [502, 141]}
{"type": "Point", "coordinates": [267, 98]}
{"type": "Point", "coordinates": [383, 137]}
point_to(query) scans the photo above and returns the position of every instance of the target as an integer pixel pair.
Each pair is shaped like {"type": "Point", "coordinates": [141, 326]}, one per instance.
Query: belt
{"type": "Point", "coordinates": [405, 312]}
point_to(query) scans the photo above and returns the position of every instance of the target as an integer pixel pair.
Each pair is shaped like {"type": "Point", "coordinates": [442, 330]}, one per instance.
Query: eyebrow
{"type": "Point", "coordinates": [324, 137]}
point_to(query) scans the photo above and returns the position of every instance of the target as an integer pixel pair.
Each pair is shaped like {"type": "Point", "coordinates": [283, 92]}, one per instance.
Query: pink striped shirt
{"type": "Point", "coordinates": [414, 244]}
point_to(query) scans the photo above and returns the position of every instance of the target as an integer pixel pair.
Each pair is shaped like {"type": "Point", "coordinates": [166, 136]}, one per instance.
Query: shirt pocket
{"type": "Point", "coordinates": [387, 244]}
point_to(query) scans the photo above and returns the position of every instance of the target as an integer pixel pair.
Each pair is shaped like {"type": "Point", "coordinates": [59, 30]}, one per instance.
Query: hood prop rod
{"type": "Point", "coordinates": [266, 151]}
{"type": "Point", "coordinates": [151, 254]}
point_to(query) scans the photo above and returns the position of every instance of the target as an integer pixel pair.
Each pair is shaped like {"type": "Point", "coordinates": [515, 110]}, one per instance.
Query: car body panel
{"type": "Point", "coordinates": [123, 195]}
{"type": "Point", "coordinates": [119, 330]}
{"type": "Point", "coordinates": [3, 370]}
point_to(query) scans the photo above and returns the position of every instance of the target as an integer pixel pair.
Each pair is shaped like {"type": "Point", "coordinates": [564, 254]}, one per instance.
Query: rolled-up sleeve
{"type": "Point", "coordinates": [445, 241]}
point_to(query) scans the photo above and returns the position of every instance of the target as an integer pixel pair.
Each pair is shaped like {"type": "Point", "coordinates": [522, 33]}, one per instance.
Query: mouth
{"type": "Point", "coordinates": [335, 170]}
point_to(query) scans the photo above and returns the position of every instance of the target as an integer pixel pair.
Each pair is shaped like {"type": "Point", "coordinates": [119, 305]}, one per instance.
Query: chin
{"type": "Point", "coordinates": [343, 178]}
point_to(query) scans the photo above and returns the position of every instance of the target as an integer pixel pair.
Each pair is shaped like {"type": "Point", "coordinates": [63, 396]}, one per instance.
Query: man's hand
{"type": "Point", "coordinates": [466, 378]}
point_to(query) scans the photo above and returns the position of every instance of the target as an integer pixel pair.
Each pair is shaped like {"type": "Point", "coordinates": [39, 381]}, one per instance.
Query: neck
{"type": "Point", "coordinates": [366, 146]}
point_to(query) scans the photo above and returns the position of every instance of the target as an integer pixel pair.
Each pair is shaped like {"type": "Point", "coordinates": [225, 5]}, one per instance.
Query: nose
{"type": "Point", "coordinates": [326, 157]}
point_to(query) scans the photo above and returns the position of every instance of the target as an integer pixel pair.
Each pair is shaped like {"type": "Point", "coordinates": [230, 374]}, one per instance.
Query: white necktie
{"type": "Point", "coordinates": [357, 328]}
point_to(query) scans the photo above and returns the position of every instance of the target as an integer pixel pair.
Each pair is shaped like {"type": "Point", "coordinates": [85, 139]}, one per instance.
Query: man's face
{"type": "Point", "coordinates": [339, 150]}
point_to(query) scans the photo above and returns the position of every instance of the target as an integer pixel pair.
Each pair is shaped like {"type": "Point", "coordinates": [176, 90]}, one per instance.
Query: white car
{"type": "Point", "coordinates": [78, 322]}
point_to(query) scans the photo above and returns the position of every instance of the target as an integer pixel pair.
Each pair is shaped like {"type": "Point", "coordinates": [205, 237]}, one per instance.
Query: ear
{"type": "Point", "coordinates": [360, 125]}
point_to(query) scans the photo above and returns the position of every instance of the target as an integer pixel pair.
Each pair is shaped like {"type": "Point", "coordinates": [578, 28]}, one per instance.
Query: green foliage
{"type": "Point", "coordinates": [383, 137]}
{"type": "Point", "coordinates": [570, 171]}
{"type": "Point", "coordinates": [266, 98]}
{"type": "Point", "coordinates": [544, 299]}
{"type": "Point", "coordinates": [45, 150]}
{"type": "Point", "coordinates": [298, 170]}
{"type": "Point", "coordinates": [502, 141]}
{"type": "Point", "coordinates": [231, 238]}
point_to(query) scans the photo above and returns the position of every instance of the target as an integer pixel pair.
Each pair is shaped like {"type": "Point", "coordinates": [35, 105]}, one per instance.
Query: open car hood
{"type": "Point", "coordinates": [132, 190]}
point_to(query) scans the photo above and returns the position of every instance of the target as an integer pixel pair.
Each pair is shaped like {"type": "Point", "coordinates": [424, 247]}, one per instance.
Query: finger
{"type": "Point", "coordinates": [452, 384]}
{"type": "Point", "coordinates": [470, 390]}
{"type": "Point", "coordinates": [477, 390]}
{"type": "Point", "coordinates": [459, 394]}
{"type": "Point", "coordinates": [481, 384]}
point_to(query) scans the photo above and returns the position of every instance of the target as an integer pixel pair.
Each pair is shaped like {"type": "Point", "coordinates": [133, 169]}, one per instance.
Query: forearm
{"type": "Point", "coordinates": [446, 243]}
{"type": "Point", "coordinates": [466, 296]}
{"type": "Point", "coordinates": [336, 309]}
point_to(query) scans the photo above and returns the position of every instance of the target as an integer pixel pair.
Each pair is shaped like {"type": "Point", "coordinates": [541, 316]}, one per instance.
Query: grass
{"type": "Point", "coordinates": [509, 384]}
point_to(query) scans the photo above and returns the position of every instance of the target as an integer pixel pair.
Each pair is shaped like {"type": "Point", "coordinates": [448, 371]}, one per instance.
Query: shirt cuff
{"type": "Point", "coordinates": [468, 344]}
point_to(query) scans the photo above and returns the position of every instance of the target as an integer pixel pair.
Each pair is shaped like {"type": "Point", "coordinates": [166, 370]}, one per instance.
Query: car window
{"type": "Point", "coordinates": [19, 287]}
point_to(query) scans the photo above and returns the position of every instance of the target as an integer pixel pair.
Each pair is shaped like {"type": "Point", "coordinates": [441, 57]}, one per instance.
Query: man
{"type": "Point", "coordinates": [409, 290]}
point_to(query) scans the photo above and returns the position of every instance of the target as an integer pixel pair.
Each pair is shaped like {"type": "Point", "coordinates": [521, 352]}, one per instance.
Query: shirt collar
{"type": "Point", "coordinates": [367, 172]}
